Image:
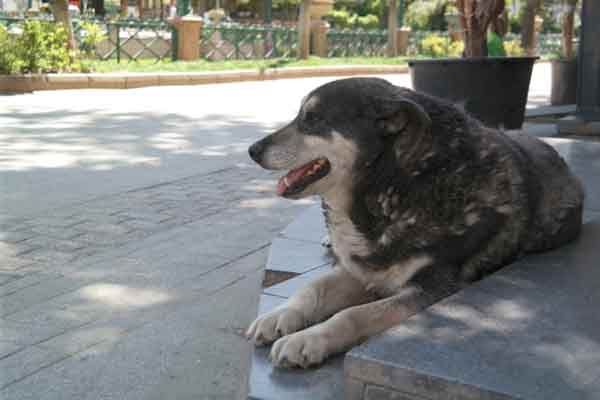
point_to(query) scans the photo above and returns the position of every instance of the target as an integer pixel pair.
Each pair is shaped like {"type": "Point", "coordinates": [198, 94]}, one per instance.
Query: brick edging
{"type": "Point", "coordinates": [29, 83]}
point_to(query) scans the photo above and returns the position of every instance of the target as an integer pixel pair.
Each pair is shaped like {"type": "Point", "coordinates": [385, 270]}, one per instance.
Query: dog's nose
{"type": "Point", "coordinates": [256, 151]}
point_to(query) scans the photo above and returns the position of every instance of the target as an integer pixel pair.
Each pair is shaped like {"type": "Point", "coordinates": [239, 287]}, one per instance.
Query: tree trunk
{"type": "Point", "coordinates": [567, 28]}
{"type": "Point", "coordinates": [475, 18]}
{"type": "Point", "coordinates": [528, 26]}
{"type": "Point", "coordinates": [60, 10]}
{"type": "Point", "coordinates": [392, 49]}
{"type": "Point", "coordinates": [304, 30]}
{"type": "Point", "coordinates": [140, 6]}
{"type": "Point", "coordinates": [98, 6]}
{"type": "Point", "coordinates": [124, 8]}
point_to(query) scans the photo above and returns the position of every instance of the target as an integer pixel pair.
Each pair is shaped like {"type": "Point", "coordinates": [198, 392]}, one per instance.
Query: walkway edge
{"type": "Point", "coordinates": [30, 83]}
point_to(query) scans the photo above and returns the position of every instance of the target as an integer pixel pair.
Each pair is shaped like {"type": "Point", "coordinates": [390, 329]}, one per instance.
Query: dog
{"type": "Point", "coordinates": [420, 200]}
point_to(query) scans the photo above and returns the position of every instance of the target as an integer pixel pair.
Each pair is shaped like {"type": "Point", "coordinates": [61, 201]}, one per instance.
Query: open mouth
{"type": "Point", "coordinates": [300, 178]}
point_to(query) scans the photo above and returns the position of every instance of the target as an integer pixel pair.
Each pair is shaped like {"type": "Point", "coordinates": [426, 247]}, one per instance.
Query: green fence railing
{"type": "Point", "coordinates": [356, 43]}
{"type": "Point", "coordinates": [223, 42]}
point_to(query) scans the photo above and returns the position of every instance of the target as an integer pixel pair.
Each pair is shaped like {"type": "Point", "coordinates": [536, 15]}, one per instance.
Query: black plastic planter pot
{"type": "Point", "coordinates": [492, 89]}
{"type": "Point", "coordinates": [564, 82]}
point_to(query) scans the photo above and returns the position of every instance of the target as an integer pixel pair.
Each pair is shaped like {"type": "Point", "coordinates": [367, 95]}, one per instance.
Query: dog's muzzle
{"type": "Point", "coordinates": [256, 151]}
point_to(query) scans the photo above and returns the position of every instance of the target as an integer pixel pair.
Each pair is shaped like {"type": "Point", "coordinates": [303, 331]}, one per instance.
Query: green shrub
{"type": "Point", "coordinates": [427, 14]}
{"type": "Point", "coordinates": [339, 18]}
{"type": "Point", "coordinates": [342, 19]}
{"type": "Point", "coordinates": [495, 45]}
{"type": "Point", "coordinates": [92, 34]}
{"type": "Point", "coordinates": [40, 47]}
{"type": "Point", "coordinates": [368, 22]}
{"type": "Point", "coordinates": [513, 48]}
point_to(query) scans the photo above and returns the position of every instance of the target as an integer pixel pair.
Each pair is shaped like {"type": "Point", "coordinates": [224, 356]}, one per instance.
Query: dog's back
{"type": "Point", "coordinates": [555, 195]}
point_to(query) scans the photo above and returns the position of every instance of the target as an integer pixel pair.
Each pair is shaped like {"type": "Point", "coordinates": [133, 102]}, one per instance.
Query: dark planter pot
{"type": "Point", "coordinates": [564, 82]}
{"type": "Point", "coordinates": [492, 89]}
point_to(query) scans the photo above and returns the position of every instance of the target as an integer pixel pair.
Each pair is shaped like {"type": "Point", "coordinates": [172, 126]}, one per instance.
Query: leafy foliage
{"type": "Point", "coordinates": [342, 19]}
{"type": "Point", "coordinates": [92, 34]}
{"type": "Point", "coordinates": [513, 48]}
{"type": "Point", "coordinates": [495, 45]}
{"type": "Point", "coordinates": [427, 14]}
{"type": "Point", "coordinates": [436, 46]}
{"type": "Point", "coordinates": [41, 47]}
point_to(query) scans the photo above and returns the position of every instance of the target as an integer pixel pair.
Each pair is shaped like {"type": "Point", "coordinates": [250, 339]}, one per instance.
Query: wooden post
{"type": "Point", "coordinates": [319, 37]}
{"type": "Point", "coordinates": [304, 30]}
{"type": "Point", "coordinates": [188, 35]}
{"type": "Point", "coordinates": [392, 49]}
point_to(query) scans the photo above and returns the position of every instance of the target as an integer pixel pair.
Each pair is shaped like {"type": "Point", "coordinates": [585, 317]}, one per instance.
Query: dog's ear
{"type": "Point", "coordinates": [397, 115]}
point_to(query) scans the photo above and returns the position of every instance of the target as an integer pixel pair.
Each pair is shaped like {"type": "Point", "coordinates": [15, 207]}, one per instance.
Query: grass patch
{"type": "Point", "coordinates": [202, 65]}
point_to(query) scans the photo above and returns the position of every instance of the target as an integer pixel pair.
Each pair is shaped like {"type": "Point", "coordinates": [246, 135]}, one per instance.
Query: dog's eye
{"type": "Point", "coordinates": [311, 116]}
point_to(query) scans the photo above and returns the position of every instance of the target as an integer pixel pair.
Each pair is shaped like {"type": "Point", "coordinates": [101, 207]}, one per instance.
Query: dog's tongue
{"type": "Point", "coordinates": [292, 177]}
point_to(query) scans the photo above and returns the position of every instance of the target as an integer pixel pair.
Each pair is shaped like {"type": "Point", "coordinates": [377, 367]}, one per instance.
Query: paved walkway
{"type": "Point", "coordinates": [133, 233]}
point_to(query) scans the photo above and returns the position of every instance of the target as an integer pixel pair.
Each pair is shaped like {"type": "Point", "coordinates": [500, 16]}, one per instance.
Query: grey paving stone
{"type": "Point", "coordinates": [289, 287]}
{"type": "Point", "coordinates": [16, 236]}
{"type": "Point", "coordinates": [353, 389]}
{"type": "Point", "coordinates": [529, 331]}
{"type": "Point", "coordinates": [26, 280]}
{"type": "Point", "coordinates": [50, 256]}
{"type": "Point", "coordinates": [19, 365]}
{"type": "Point", "coordinates": [309, 226]}
{"type": "Point", "coordinates": [268, 383]}
{"type": "Point", "coordinates": [8, 348]}
{"type": "Point", "coordinates": [373, 392]}
{"type": "Point", "coordinates": [296, 255]}
{"type": "Point", "coordinates": [12, 264]}
{"type": "Point", "coordinates": [56, 232]}
{"type": "Point", "coordinates": [35, 294]}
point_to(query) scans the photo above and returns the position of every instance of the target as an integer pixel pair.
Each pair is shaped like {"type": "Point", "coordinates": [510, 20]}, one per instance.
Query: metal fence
{"type": "Point", "coordinates": [127, 40]}
{"type": "Point", "coordinates": [357, 43]}
{"type": "Point", "coordinates": [233, 42]}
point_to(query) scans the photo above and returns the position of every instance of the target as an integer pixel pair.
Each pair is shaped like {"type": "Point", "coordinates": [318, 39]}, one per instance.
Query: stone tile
{"type": "Point", "coordinates": [35, 294]}
{"type": "Point", "coordinates": [8, 348]}
{"type": "Point", "coordinates": [50, 256]}
{"type": "Point", "coordinates": [296, 256]}
{"type": "Point", "coordinates": [373, 392]}
{"type": "Point", "coordinates": [25, 281]}
{"type": "Point", "coordinates": [309, 226]}
{"type": "Point", "coordinates": [268, 383]}
{"type": "Point", "coordinates": [56, 232]}
{"type": "Point", "coordinates": [11, 264]}
{"type": "Point", "coordinates": [353, 389]}
{"type": "Point", "coordinates": [529, 331]}
{"type": "Point", "coordinates": [289, 287]}
{"type": "Point", "coordinates": [26, 362]}
{"type": "Point", "coordinates": [16, 236]}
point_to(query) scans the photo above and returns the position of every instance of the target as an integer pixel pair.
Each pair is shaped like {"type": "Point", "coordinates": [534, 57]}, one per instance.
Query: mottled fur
{"type": "Point", "coordinates": [421, 199]}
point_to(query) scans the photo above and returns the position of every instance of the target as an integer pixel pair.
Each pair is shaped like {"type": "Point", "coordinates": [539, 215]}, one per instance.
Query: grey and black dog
{"type": "Point", "coordinates": [420, 200]}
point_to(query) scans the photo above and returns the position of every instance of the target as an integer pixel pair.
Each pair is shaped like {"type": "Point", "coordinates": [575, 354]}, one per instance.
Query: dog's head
{"type": "Point", "coordinates": [342, 127]}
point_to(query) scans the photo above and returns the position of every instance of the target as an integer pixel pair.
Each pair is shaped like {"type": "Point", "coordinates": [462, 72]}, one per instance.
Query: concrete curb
{"type": "Point", "coordinates": [30, 83]}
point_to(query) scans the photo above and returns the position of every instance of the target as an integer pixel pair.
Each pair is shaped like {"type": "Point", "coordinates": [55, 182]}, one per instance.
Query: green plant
{"type": "Point", "coordinates": [427, 14]}
{"type": "Point", "coordinates": [91, 35]}
{"type": "Point", "coordinates": [342, 19]}
{"type": "Point", "coordinates": [367, 22]}
{"type": "Point", "coordinates": [40, 47]}
{"type": "Point", "coordinates": [495, 45]}
{"type": "Point", "coordinates": [513, 48]}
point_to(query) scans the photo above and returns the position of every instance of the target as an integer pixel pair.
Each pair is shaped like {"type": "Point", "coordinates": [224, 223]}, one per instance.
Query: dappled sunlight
{"type": "Point", "coordinates": [97, 140]}
{"type": "Point", "coordinates": [121, 296]}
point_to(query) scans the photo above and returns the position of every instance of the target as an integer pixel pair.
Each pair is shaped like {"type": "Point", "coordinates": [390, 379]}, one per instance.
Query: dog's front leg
{"type": "Point", "coordinates": [347, 328]}
{"type": "Point", "coordinates": [314, 303]}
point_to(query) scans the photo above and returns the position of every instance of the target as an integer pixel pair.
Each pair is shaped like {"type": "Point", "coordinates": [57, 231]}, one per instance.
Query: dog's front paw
{"type": "Point", "coordinates": [302, 349]}
{"type": "Point", "coordinates": [271, 326]}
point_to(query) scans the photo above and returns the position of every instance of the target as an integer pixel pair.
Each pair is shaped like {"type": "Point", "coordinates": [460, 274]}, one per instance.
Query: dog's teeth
{"type": "Point", "coordinates": [390, 190]}
{"type": "Point", "coordinates": [286, 182]}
